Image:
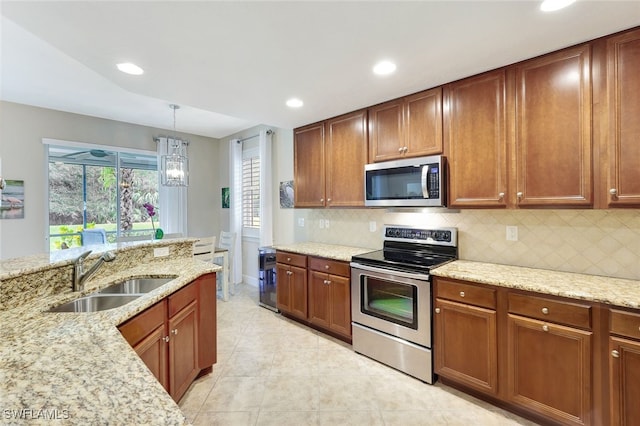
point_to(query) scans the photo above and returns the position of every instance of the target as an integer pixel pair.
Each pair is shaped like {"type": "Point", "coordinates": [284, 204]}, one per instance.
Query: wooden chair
{"type": "Point", "coordinates": [227, 241]}
{"type": "Point", "coordinates": [204, 249]}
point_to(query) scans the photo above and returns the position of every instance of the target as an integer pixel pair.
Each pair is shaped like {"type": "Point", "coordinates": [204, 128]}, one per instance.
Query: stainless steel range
{"type": "Point", "coordinates": [391, 297]}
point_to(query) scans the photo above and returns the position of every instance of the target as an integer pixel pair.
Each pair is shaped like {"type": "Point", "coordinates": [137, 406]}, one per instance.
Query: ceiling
{"type": "Point", "coordinates": [232, 65]}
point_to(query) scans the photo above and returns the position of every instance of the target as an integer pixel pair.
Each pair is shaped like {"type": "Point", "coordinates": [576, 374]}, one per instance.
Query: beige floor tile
{"type": "Point", "coordinates": [287, 418]}
{"type": "Point", "coordinates": [197, 393]}
{"type": "Point", "coordinates": [249, 364]}
{"type": "Point", "coordinates": [295, 363]}
{"type": "Point", "coordinates": [350, 418]}
{"type": "Point", "coordinates": [226, 418]}
{"type": "Point", "coordinates": [417, 418]}
{"type": "Point", "coordinates": [290, 394]}
{"type": "Point", "coordinates": [346, 393]}
{"type": "Point", "coordinates": [235, 394]}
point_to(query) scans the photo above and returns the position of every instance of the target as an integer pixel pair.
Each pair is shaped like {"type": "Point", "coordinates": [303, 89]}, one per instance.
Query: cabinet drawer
{"type": "Point", "coordinates": [625, 323]}
{"type": "Point", "coordinates": [181, 298]}
{"type": "Point", "coordinates": [291, 259]}
{"type": "Point", "coordinates": [551, 310]}
{"type": "Point", "coordinates": [140, 326]}
{"type": "Point", "coordinates": [334, 267]}
{"type": "Point", "coordinates": [466, 293]}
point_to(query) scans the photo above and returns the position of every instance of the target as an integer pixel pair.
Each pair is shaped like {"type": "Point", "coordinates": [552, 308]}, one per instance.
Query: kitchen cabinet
{"type": "Point", "coordinates": [407, 127]}
{"type": "Point", "coordinates": [329, 160]}
{"type": "Point", "coordinates": [291, 276]}
{"type": "Point", "coordinates": [476, 135]}
{"type": "Point", "coordinates": [330, 295]}
{"type": "Point", "coordinates": [553, 137]}
{"type": "Point", "coordinates": [464, 323]}
{"type": "Point", "coordinates": [624, 367]}
{"type": "Point", "coordinates": [623, 93]}
{"type": "Point", "coordinates": [168, 336]}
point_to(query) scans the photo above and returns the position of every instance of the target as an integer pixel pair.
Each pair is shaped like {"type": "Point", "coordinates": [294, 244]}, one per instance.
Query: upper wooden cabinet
{"type": "Point", "coordinates": [553, 154]}
{"type": "Point", "coordinates": [476, 135]}
{"type": "Point", "coordinates": [329, 159]}
{"type": "Point", "coordinates": [623, 138]}
{"type": "Point", "coordinates": [406, 127]}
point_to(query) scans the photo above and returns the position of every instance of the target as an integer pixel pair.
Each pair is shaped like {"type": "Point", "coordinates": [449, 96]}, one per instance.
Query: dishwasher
{"type": "Point", "coordinates": [267, 278]}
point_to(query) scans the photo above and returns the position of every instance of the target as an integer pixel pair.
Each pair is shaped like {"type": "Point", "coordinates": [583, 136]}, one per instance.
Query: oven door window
{"type": "Point", "coordinates": [390, 300]}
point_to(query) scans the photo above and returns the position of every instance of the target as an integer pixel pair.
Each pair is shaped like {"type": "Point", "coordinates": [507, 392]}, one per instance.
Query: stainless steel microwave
{"type": "Point", "coordinates": [412, 182]}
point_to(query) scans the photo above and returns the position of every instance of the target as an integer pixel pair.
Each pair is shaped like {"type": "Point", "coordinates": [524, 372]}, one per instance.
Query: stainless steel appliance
{"type": "Point", "coordinates": [413, 182]}
{"type": "Point", "coordinates": [391, 297]}
{"type": "Point", "coordinates": [267, 278]}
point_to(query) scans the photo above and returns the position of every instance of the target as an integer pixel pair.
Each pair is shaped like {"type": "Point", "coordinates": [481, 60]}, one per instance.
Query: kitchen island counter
{"type": "Point", "coordinates": [613, 291]}
{"type": "Point", "coordinates": [76, 367]}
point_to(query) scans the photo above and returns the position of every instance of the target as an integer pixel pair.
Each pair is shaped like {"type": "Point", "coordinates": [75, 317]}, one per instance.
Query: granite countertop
{"type": "Point", "coordinates": [613, 291]}
{"type": "Point", "coordinates": [329, 251]}
{"type": "Point", "coordinates": [77, 367]}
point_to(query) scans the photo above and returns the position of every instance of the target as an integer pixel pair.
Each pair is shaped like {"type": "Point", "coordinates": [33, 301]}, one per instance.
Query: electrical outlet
{"type": "Point", "coordinates": [373, 226]}
{"type": "Point", "coordinates": [301, 222]}
{"type": "Point", "coordinates": [326, 223]}
{"type": "Point", "coordinates": [321, 223]}
{"type": "Point", "coordinates": [512, 233]}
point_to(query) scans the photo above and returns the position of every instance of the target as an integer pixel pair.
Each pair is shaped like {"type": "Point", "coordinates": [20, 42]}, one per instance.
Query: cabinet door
{"type": "Point", "coordinates": [207, 345]}
{"type": "Point", "coordinates": [549, 369]}
{"type": "Point", "coordinates": [553, 130]}
{"type": "Point", "coordinates": [386, 132]}
{"type": "Point", "coordinates": [623, 79]}
{"type": "Point", "coordinates": [283, 280]}
{"type": "Point", "coordinates": [183, 350]}
{"type": "Point", "coordinates": [624, 370]}
{"type": "Point", "coordinates": [477, 135]}
{"type": "Point", "coordinates": [153, 352]}
{"type": "Point", "coordinates": [346, 156]}
{"type": "Point", "coordinates": [298, 284]}
{"type": "Point", "coordinates": [340, 304]}
{"type": "Point", "coordinates": [319, 299]}
{"type": "Point", "coordinates": [308, 164]}
{"type": "Point", "coordinates": [461, 330]}
{"type": "Point", "coordinates": [423, 123]}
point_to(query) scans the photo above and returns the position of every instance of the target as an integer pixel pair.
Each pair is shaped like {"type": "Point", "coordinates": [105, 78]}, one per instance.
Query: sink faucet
{"type": "Point", "coordinates": [80, 276]}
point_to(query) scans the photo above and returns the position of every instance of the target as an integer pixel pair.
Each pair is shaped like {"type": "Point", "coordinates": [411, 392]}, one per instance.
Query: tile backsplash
{"type": "Point", "coordinates": [598, 242]}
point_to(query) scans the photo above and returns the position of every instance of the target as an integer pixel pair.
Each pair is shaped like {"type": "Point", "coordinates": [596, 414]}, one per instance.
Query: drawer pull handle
{"type": "Point", "coordinates": [545, 311]}
{"type": "Point", "coordinates": [437, 310]}
{"type": "Point", "coordinates": [462, 294]}
{"type": "Point", "coordinates": [615, 354]}
{"type": "Point", "coordinates": [545, 327]}
{"type": "Point", "coordinates": [166, 338]}
{"type": "Point", "coordinates": [174, 331]}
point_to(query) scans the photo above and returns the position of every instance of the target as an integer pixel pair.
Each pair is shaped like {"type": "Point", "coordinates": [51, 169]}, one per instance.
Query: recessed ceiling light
{"type": "Point", "coordinates": [384, 68]}
{"type": "Point", "coordinates": [294, 103]}
{"type": "Point", "coordinates": [129, 68]}
{"type": "Point", "coordinates": [553, 5]}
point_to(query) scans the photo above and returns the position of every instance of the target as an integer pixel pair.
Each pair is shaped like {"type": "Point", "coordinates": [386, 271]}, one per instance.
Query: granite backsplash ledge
{"type": "Point", "coordinates": [34, 277]}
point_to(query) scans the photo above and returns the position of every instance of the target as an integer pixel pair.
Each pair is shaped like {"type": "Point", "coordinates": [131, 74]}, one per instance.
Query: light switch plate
{"type": "Point", "coordinates": [326, 223]}
{"type": "Point", "coordinates": [512, 233]}
{"type": "Point", "coordinates": [301, 222]}
{"type": "Point", "coordinates": [373, 226]}
{"type": "Point", "coordinates": [321, 223]}
{"type": "Point", "coordinates": [161, 252]}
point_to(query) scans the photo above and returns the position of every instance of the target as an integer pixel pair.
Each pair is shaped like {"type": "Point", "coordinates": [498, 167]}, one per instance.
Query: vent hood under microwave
{"type": "Point", "coordinates": [411, 182]}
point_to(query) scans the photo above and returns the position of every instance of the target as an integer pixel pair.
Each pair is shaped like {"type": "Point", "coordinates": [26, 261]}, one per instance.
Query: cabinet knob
{"type": "Point", "coordinates": [328, 200]}
{"type": "Point", "coordinates": [174, 331]}
{"type": "Point", "coordinates": [545, 327]}
{"type": "Point", "coordinates": [437, 310]}
{"type": "Point", "coordinates": [328, 282]}
{"type": "Point", "coordinates": [400, 149]}
{"type": "Point", "coordinates": [545, 311]}
{"type": "Point", "coordinates": [288, 259]}
{"type": "Point", "coordinates": [462, 294]}
{"type": "Point", "coordinates": [501, 195]}
{"type": "Point", "coordinates": [166, 338]}
{"type": "Point", "coordinates": [326, 266]}
{"type": "Point", "coordinates": [322, 200]}
{"type": "Point", "coordinates": [615, 354]}
{"type": "Point", "coordinates": [519, 195]}
{"type": "Point", "coordinates": [613, 192]}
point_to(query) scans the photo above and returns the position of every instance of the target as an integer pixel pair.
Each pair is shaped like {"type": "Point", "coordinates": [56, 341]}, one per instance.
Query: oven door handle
{"type": "Point", "coordinates": [413, 276]}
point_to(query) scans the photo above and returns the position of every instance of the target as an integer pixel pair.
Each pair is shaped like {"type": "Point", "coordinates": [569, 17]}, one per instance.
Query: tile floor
{"type": "Point", "coordinates": [273, 371]}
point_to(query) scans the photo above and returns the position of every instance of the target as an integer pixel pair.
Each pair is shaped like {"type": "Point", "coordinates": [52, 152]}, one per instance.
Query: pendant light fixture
{"type": "Point", "coordinates": [175, 164]}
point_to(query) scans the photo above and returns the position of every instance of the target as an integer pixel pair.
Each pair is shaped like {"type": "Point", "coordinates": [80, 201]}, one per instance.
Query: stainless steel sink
{"type": "Point", "coordinates": [135, 286]}
{"type": "Point", "coordinates": [95, 303]}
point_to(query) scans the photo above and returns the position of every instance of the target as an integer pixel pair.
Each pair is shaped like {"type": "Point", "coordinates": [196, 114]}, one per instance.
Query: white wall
{"type": "Point", "coordinates": [22, 129]}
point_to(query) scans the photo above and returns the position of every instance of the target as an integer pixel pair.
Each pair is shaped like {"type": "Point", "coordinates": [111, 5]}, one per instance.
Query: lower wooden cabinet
{"type": "Point", "coordinates": [549, 369]}
{"type": "Point", "coordinates": [330, 295]}
{"type": "Point", "coordinates": [316, 291]}
{"type": "Point", "coordinates": [175, 338]}
{"type": "Point", "coordinates": [624, 367]}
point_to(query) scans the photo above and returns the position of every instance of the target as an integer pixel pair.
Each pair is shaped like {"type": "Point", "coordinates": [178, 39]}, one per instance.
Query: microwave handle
{"type": "Point", "coordinates": [425, 181]}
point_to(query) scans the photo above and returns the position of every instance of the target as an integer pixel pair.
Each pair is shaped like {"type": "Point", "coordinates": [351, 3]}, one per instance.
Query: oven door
{"type": "Point", "coordinates": [393, 302]}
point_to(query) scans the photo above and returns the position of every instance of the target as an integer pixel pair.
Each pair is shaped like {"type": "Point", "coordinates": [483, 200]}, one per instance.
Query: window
{"type": "Point", "coordinates": [251, 190]}
{"type": "Point", "coordinates": [104, 189]}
